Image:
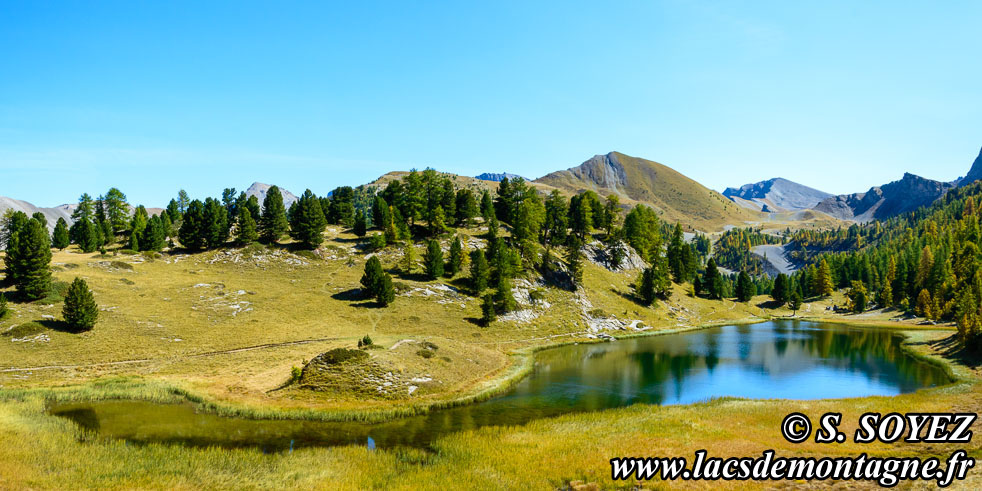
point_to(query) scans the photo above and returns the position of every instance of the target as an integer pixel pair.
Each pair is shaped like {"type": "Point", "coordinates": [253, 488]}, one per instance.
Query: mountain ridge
{"type": "Point", "coordinates": [776, 194]}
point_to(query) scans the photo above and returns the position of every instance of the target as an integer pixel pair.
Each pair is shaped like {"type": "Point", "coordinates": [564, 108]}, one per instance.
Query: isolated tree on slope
{"type": "Point", "coordinates": [273, 224]}
{"type": "Point", "coordinates": [80, 310]}
{"type": "Point", "coordinates": [780, 291]}
{"type": "Point", "coordinates": [59, 238]}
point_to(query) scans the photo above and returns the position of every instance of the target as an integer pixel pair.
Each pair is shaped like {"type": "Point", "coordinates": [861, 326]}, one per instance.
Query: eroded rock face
{"type": "Point", "coordinates": [881, 202]}
{"type": "Point", "coordinates": [775, 195]}
{"type": "Point", "coordinates": [975, 173]}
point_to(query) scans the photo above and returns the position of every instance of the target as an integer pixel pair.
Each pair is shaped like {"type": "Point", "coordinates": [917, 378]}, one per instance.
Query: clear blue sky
{"type": "Point", "coordinates": [155, 96]}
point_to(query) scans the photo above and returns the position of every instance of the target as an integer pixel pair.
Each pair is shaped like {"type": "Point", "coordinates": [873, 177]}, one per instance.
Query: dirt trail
{"type": "Point", "coordinates": [174, 358]}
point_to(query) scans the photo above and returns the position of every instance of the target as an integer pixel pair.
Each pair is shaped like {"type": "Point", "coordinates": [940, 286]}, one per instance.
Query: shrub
{"type": "Point", "coordinates": [425, 353]}
{"type": "Point", "coordinates": [340, 355]}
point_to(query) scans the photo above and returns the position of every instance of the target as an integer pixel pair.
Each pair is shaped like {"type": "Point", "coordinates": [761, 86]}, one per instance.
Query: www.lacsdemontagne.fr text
{"type": "Point", "coordinates": [885, 471]}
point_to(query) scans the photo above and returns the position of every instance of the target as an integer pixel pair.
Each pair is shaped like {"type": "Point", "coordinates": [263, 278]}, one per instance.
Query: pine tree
{"type": "Point", "coordinates": [456, 257]}
{"type": "Point", "coordinates": [745, 287]}
{"type": "Point", "coordinates": [4, 310]}
{"type": "Point", "coordinates": [215, 223]}
{"type": "Point", "coordinates": [183, 201]}
{"type": "Point", "coordinates": [433, 260]}
{"type": "Point", "coordinates": [487, 206]}
{"type": "Point", "coordinates": [675, 253]}
{"type": "Point", "coordinates": [273, 223]}
{"type": "Point", "coordinates": [438, 221]}
{"type": "Point", "coordinates": [488, 314]}
{"type": "Point", "coordinates": [503, 298]}
{"type": "Point", "coordinates": [246, 227]}
{"type": "Point", "coordinates": [152, 238]}
{"type": "Point", "coordinates": [644, 287]}
{"type": "Point", "coordinates": [712, 281]}
{"type": "Point", "coordinates": [371, 280]}
{"type": "Point", "coordinates": [479, 271]}
{"type": "Point", "coordinates": [466, 208]}
{"type": "Point", "coordinates": [307, 221]}
{"type": "Point", "coordinates": [80, 310]}
{"type": "Point", "coordinates": [780, 290]}
{"type": "Point", "coordinates": [32, 261]}
{"type": "Point", "coordinates": [360, 227]}
{"type": "Point", "coordinates": [794, 303]}
{"type": "Point", "coordinates": [59, 239]}
{"type": "Point", "coordinates": [386, 293]}
{"type": "Point", "coordinates": [192, 231]}
{"type": "Point", "coordinates": [574, 261]}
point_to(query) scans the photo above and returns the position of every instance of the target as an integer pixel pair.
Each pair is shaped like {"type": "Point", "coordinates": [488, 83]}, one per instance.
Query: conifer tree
{"type": "Point", "coordinates": [216, 223]}
{"type": "Point", "coordinates": [360, 227]}
{"type": "Point", "coordinates": [307, 221]}
{"type": "Point", "coordinates": [409, 258]}
{"type": "Point", "coordinates": [675, 253]}
{"type": "Point", "coordinates": [574, 261]}
{"type": "Point", "coordinates": [31, 266]}
{"type": "Point", "coordinates": [487, 206]}
{"type": "Point", "coordinates": [924, 304]}
{"type": "Point", "coordinates": [824, 279]}
{"type": "Point", "coordinates": [745, 287]}
{"type": "Point", "coordinates": [173, 211]}
{"type": "Point", "coordinates": [503, 298]}
{"type": "Point", "coordinates": [273, 223]}
{"type": "Point", "coordinates": [116, 210]}
{"type": "Point", "coordinates": [4, 310]}
{"type": "Point", "coordinates": [183, 201]}
{"type": "Point", "coordinates": [371, 280]}
{"type": "Point", "coordinates": [467, 208]}
{"type": "Point", "coordinates": [858, 296]}
{"type": "Point", "coordinates": [488, 314]}
{"type": "Point", "coordinates": [479, 271]}
{"type": "Point", "coordinates": [386, 292]}
{"type": "Point", "coordinates": [245, 233]}
{"type": "Point", "coordinates": [712, 281]}
{"type": "Point", "coordinates": [644, 287]}
{"type": "Point", "coordinates": [59, 238]}
{"type": "Point", "coordinates": [438, 221]}
{"type": "Point", "coordinates": [433, 260]}
{"type": "Point", "coordinates": [80, 309]}
{"type": "Point", "coordinates": [780, 290]}
{"type": "Point", "coordinates": [456, 257]}
{"type": "Point", "coordinates": [794, 303]}
{"type": "Point", "coordinates": [43, 220]}
{"type": "Point", "coordinates": [192, 231]}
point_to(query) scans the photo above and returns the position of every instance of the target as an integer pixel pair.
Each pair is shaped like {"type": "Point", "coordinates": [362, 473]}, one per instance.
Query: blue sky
{"type": "Point", "coordinates": [155, 96]}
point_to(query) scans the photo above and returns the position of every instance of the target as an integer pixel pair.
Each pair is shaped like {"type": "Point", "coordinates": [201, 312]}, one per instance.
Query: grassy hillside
{"type": "Point", "coordinates": [635, 180]}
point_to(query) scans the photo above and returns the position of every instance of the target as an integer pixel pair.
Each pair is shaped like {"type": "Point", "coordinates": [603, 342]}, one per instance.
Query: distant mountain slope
{"type": "Point", "coordinates": [52, 214]}
{"type": "Point", "coordinates": [974, 174]}
{"type": "Point", "coordinates": [775, 195]}
{"type": "Point", "coordinates": [635, 180]}
{"type": "Point", "coordinates": [497, 177]}
{"type": "Point", "coordinates": [881, 202]}
{"type": "Point", "coordinates": [259, 190]}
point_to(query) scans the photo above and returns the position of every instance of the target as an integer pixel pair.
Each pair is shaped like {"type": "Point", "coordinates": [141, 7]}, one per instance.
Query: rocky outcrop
{"type": "Point", "coordinates": [974, 174]}
{"type": "Point", "coordinates": [259, 190]}
{"type": "Point", "coordinates": [497, 176]}
{"type": "Point", "coordinates": [881, 202]}
{"type": "Point", "coordinates": [774, 195]}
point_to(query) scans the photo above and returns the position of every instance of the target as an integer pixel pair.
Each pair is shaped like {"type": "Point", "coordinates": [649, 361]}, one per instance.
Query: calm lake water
{"type": "Point", "coordinates": [780, 359]}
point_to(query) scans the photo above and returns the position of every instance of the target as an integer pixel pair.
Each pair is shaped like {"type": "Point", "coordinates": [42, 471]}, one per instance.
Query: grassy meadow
{"type": "Point", "coordinates": [224, 329]}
